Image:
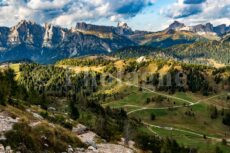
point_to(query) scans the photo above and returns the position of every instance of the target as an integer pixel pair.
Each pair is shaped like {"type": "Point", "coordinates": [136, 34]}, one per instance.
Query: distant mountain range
{"type": "Point", "coordinates": [201, 29]}
{"type": "Point", "coordinates": [28, 40]}
{"type": "Point", "coordinates": [49, 43]}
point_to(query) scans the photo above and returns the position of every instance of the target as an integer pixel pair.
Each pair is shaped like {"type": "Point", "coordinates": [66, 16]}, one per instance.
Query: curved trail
{"type": "Point", "coordinates": [149, 90]}
{"type": "Point", "coordinates": [172, 97]}
{"type": "Point", "coordinates": [161, 94]}
{"type": "Point", "coordinates": [176, 129]}
{"type": "Point", "coordinates": [157, 93]}
{"type": "Point", "coordinates": [179, 130]}
{"type": "Point", "coordinates": [172, 107]}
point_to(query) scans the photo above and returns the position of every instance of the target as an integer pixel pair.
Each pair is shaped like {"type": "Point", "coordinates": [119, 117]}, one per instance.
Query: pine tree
{"type": "Point", "coordinates": [73, 108]}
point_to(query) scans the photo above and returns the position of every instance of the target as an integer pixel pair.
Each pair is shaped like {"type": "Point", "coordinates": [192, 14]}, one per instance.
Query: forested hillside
{"type": "Point", "coordinates": [72, 99]}
{"type": "Point", "coordinates": [218, 51]}
{"type": "Point", "coordinates": [204, 52]}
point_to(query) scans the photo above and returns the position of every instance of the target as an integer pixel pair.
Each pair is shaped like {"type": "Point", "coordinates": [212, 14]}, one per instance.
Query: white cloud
{"type": "Point", "coordinates": [68, 12]}
{"type": "Point", "coordinates": [215, 11]}
{"type": "Point", "coordinates": [41, 4]}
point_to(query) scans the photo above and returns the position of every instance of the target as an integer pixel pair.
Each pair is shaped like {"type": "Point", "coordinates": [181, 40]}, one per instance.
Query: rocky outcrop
{"type": "Point", "coordinates": [121, 29]}
{"type": "Point", "coordinates": [28, 40]}
{"type": "Point", "coordinates": [104, 148]}
{"type": "Point", "coordinates": [53, 35]}
{"type": "Point", "coordinates": [26, 32]}
{"type": "Point", "coordinates": [96, 145]}
{"type": "Point", "coordinates": [176, 26]}
{"type": "Point", "coordinates": [5, 150]}
{"type": "Point", "coordinates": [222, 29]}
{"type": "Point", "coordinates": [6, 123]}
{"type": "Point", "coordinates": [200, 29]}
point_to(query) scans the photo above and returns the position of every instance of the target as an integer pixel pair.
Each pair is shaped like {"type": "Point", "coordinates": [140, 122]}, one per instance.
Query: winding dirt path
{"type": "Point", "coordinates": [172, 107]}
{"type": "Point", "coordinates": [172, 97]}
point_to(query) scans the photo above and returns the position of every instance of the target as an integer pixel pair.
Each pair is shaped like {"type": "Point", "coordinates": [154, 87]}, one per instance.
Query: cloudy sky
{"type": "Point", "coordinates": [139, 14]}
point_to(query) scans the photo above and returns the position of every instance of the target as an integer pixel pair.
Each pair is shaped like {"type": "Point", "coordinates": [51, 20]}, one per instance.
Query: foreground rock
{"type": "Point", "coordinates": [5, 150]}
{"type": "Point", "coordinates": [105, 148]}
{"type": "Point", "coordinates": [6, 122]}
{"type": "Point", "coordinates": [91, 139]}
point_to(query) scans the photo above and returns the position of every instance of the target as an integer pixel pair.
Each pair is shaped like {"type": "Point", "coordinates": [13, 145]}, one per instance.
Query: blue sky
{"type": "Point", "coordinates": [150, 15]}
{"type": "Point", "coordinates": [149, 19]}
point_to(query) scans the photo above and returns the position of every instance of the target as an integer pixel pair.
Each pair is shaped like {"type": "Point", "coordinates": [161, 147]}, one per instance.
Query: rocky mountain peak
{"type": "Point", "coordinates": [23, 24]}
{"type": "Point", "coordinates": [53, 35]}
{"type": "Point", "coordinates": [26, 32]}
{"type": "Point", "coordinates": [123, 25]}
{"type": "Point", "coordinates": [203, 28]}
{"type": "Point", "coordinates": [121, 29]}
{"type": "Point", "coordinates": [176, 25]}
{"type": "Point", "coordinates": [222, 29]}
{"type": "Point", "coordinates": [26, 22]}
{"type": "Point", "coordinates": [209, 27]}
{"type": "Point", "coordinates": [200, 29]}
{"type": "Point", "coordinates": [81, 25]}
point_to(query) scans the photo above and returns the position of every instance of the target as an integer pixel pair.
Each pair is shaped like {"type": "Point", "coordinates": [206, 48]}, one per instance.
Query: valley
{"type": "Point", "coordinates": [106, 89]}
{"type": "Point", "coordinates": [185, 116]}
{"type": "Point", "coordinates": [114, 76]}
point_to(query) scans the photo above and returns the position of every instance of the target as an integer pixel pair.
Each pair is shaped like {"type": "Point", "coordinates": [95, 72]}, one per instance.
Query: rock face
{"type": "Point", "coordinates": [121, 29]}
{"type": "Point", "coordinates": [6, 123]}
{"type": "Point", "coordinates": [2, 149]}
{"type": "Point", "coordinates": [28, 40]}
{"type": "Point", "coordinates": [91, 139]}
{"type": "Point", "coordinates": [53, 35]}
{"type": "Point", "coordinates": [105, 148]}
{"type": "Point", "coordinates": [222, 29]}
{"type": "Point", "coordinates": [5, 150]}
{"type": "Point", "coordinates": [200, 29]}
{"type": "Point", "coordinates": [176, 26]}
{"type": "Point", "coordinates": [47, 44]}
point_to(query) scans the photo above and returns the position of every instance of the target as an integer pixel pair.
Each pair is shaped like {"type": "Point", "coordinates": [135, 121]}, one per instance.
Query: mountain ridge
{"type": "Point", "coordinates": [201, 29]}
{"type": "Point", "coordinates": [49, 43]}
{"type": "Point", "coordinates": [29, 40]}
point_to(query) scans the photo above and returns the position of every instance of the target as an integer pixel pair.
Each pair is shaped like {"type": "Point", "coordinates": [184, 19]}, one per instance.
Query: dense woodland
{"type": "Point", "coordinates": [218, 51]}
{"type": "Point", "coordinates": [191, 53]}
{"type": "Point", "coordinates": [134, 51]}
{"type": "Point", "coordinates": [84, 62]}
{"type": "Point", "coordinates": [189, 77]}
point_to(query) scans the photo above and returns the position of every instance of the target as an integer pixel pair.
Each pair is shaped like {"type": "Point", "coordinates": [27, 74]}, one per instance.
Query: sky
{"type": "Point", "coordinates": [151, 15]}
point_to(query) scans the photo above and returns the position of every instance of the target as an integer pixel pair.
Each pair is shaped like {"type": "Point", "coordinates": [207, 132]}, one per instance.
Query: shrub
{"type": "Point", "coordinates": [226, 119]}
{"type": "Point", "coordinates": [153, 116]}
{"type": "Point", "coordinates": [39, 139]}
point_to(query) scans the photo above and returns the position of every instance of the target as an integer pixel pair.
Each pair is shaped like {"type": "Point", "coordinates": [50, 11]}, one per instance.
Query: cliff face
{"type": "Point", "coordinates": [47, 44]}
{"type": "Point", "coordinates": [201, 29]}
{"type": "Point", "coordinates": [121, 29]}
{"type": "Point", "coordinates": [28, 40]}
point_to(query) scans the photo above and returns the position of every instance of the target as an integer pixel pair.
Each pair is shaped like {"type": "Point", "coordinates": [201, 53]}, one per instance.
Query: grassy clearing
{"type": "Point", "coordinates": [191, 140]}
{"type": "Point", "coordinates": [220, 102]}
{"type": "Point", "coordinates": [201, 122]}
{"type": "Point", "coordinates": [132, 99]}
{"type": "Point", "coordinates": [138, 98]}
{"type": "Point", "coordinates": [185, 96]}
{"type": "Point", "coordinates": [16, 68]}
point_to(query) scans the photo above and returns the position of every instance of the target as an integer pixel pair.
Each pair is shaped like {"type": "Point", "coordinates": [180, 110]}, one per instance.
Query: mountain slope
{"type": "Point", "coordinates": [169, 38]}
{"type": "Point", "coordinates": [178, 33]}
{"type": "Point", "coordinates": [200, 29]}
{"type": "Point", "coordinates": [214, 50]}
{"type": "Point", "coordinates": [28, 40]}
{"type": "Point", "coordinates": [47, 44]}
